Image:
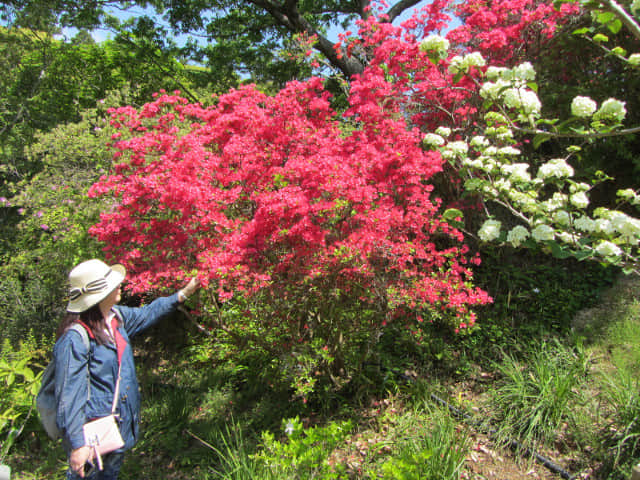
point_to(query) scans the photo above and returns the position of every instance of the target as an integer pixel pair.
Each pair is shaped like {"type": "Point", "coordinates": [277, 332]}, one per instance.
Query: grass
{"type": "Point", "coordinates": [537, 393]}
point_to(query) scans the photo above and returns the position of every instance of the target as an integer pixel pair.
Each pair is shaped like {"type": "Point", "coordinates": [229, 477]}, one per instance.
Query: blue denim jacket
{"type": "Point", "coordinates": [75, 407]}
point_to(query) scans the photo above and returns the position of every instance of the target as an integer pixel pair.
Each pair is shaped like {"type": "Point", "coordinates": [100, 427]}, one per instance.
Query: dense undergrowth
{"type": "Point", "coordinates": [554, 364]}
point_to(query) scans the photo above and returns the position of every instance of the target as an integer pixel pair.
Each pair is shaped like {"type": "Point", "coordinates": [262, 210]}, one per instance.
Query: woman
{"type": "Point", "coordinates": [94, 292]}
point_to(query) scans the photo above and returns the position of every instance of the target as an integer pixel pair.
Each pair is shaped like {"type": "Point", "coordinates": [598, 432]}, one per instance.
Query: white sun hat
{"type": "Point", "coordinates": [91, 282]}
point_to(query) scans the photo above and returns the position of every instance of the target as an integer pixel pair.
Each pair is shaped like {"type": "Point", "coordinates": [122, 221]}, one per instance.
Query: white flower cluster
{"type": "Point", "coordinates": [432, 140]}
{"type": "Point", "coordinates": [621, 223]}
{"type": "Point", "coordinates": [460, 64]}
{"type": "Point", "coordinates": [510, 86]}
{"type": "Point", "coordinates": [630, 196]}
{"type": "Point", "coordinates": [443, 131]}
{"type": "Point", "coordinates": [555, 168]}
{"type": "Point", "coordinates": [608, 249]}
{"type": "Point", "coordinates": [517, 235]}
{"type": "Point", "coordinates": [543, 233]}
{"type": "Point", "coordinates": [583, 107]}
{"type": "Point", "coordinates": [611, 110]}
{"type": "Point", "coordinates": [490, 230]}
{"type": "Point", "coordinates": [517, 172]}
{"type": "Point", "coordinates": [522, 98]}
{"type": "Point", "coordinates": [435, 44]}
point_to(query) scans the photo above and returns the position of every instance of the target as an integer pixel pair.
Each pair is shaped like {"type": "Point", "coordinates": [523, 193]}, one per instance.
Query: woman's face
{"type": "Point", "coordinates": [112, 299]}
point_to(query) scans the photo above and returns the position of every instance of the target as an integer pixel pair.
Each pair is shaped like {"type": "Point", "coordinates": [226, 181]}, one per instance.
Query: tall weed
{"type": "Point", "coordinates": [536, 393]}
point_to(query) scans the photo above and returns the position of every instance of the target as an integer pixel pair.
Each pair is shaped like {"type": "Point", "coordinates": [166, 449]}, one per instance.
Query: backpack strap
{"type": "Point", "coordinates": [85, 332]}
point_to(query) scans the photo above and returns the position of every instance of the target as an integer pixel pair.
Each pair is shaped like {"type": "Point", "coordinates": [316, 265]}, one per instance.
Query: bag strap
{"type": "Point", "coordinates": [121, 344]}
{"type": "Point", "coordinates": [85, 332]}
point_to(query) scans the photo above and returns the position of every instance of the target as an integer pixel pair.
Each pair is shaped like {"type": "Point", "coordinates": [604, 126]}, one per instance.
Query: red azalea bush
{"type": "Point", "coordinates": [327, 225]}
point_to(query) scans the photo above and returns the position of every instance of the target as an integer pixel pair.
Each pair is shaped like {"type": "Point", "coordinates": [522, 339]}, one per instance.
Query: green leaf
{"type": "Point", "coordinates": [539, 140]}
{"type": "Point", "coordinates": [615, 26]}
{"type": "Point", "coordinates": [619, 51]}
{"type": "Point", "coordinates": [558, 251]}
{"type": "Point", "coordinates": [581, 31]}
{"type": "Point", "coordinates": [605, 17]}
{"type": "Point", "coordinates": [600, 38]}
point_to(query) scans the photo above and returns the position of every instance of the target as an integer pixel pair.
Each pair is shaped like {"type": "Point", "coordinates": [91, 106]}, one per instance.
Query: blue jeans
{"type": "Point", "coordinates": [111, 462]}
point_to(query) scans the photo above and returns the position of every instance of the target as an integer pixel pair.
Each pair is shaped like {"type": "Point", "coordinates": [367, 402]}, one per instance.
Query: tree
{"type": "Point", "coordinates": [243, 38]}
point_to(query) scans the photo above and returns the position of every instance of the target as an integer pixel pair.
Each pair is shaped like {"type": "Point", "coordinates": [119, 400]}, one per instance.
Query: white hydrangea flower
{"type": "Point", "coordinates": [630, 196]}
{"type": "Point", "coordinates": [520, 172]}
{"type": "Point", "coordinates": [625, 225]}
{"type": "Point", "coordinates": [495, 73]}
{"type": "Point", "coordinates": [634, 59]}
{"type": "Point", "coordinates": [604, 226]}
{"type": "Point", "coordinates": [458, 147]}
{"type": "Point", "coordinates": [585, 224]}
{"type": "Point", "coordinates": [525, 71]}
{"type": "Point", "coordinates": [433, 140]}
{"type": "Point", "coordinates": [517, 235]}
{"type": "Point", "coordinates": [579, 200]}
{"type": "Point", "coordinates": [491, 151]}
{"type": "Point", "coordinates": [477, 163]}
{"type": "Point", "coordinates": [511, 97]}
{"type": "Point", "coordinates": [583, 107]}
{"type": "Point", "coordinates": [503, 185]}
{"type": "Point", "coordinates": [443, 131]}
{"type": "Point", "coordinates": [530, 102]}
{"type": "Point", "coordinates": [457, 65]}
{"type": "Point", "coordinates": [448, 154]}
{"type": "Point", "coordinates": [479, 141]}
{"type": "Point", "coordinates": [557, 168]}
{"type": "Point", "coordinates": [543, 233]}
{"type": "Point", "coordinates": [562, 217]}
{"type": "Point", "coordinates": [489, 191]}
{"type": "Point", "coordinates": [608, 249]}
{"type": "Point", "coordinates": [526, 202]}
{"type": "Point", "coordinates": [523, 98]}
{"type": "Point", "coordinates": [493, 90]}
{"type": "Point", "coordinates": [517, 172]}
{"type": "Point", "coordinates": [579, 187]}
{"type": "Point", "coordinates": [435, 43]}
{"type": "Point", "coordinates": [489, 164]}
{"type": "Point", "coordinates": [490, 230]}
{"type": "Point", "coordinates": [504, 134]}
{"type": "Point", "coordinates": [508, 151]}
{"type": "Point", "coordinates": [611, 109]}
{"type": "Point", "coordinates": [474, 59]}
{"type": "Point", "coordinates": [566, 237]}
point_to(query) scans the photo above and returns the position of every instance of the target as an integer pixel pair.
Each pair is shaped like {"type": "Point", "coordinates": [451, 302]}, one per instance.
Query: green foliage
{"type": "Point", "coordinates": [305, 453]}
{"type": "Point", "coordinates": [20, 384]}
{"type": "Point", "coordinates": [533, 293]}
{"type": "Point", "coordinates": [433, 447]}
{"type": "Point", "coordinates": [537, 392]}
{"type": "Point", "coordinates": [49, 235]}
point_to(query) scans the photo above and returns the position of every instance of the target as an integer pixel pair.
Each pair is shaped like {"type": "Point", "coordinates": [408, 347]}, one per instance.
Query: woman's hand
{"type": "Point", "coordinates": [78, 458]}
{"type": "Point", "coordinates": [189, 289]}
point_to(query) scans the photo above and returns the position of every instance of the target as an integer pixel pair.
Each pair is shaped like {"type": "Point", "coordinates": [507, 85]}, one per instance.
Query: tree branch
{"type": "Point", "coordinates": [400, 7]}
{"type": "Point", "coordinates": [296, 23]}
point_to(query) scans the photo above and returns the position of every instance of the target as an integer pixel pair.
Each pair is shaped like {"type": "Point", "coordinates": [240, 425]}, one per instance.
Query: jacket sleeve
{"type": "Point", "coordinates": [72, 384]}
{"type": "Point", "coordinates": [139, 319]}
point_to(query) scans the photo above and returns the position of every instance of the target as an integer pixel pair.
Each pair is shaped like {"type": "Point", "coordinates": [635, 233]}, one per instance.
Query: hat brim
{"type": "Point", "coordinates": [88, 300]}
